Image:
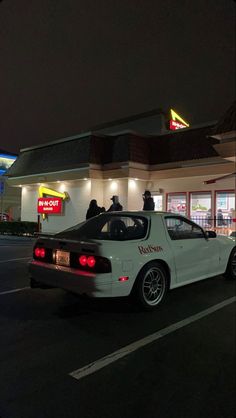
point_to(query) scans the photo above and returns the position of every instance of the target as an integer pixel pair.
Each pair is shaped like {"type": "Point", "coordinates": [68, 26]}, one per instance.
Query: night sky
{"type": "Point", "coordinates": [67, 65]}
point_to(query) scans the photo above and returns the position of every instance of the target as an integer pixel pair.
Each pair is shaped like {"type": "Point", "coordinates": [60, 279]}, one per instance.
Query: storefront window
{"type": "Point", "coordinates": [176, 203]}
{"type": "Point", "coordinates": [201, 209]}
{"type": "Point", "coordinates": [225, 208]}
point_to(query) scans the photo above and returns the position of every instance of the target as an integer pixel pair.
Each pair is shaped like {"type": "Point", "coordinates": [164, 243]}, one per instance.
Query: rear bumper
{"type": "Point", "coordinates": [76, 281]}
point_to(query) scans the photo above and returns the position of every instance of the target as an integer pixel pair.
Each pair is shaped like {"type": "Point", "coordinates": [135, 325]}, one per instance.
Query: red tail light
{"type": "Point", "coordinates": [91, 261]}
{"type": "Point", "coordinates": [87, 261]}
{"type": "Point", "coordinates": [83, 260]}
{"type": "Point", "coordinates": [39, 252]}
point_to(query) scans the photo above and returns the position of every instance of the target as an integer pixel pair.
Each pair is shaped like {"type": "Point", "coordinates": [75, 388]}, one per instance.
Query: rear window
{"type": "Point", "coordinates": [109, 227]}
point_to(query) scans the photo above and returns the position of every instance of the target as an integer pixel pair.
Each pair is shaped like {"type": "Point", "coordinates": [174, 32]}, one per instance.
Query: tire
{"type": "Point", "coordinates": [151, 285]}
{"type": "Point", "coordinates": [230, 272]}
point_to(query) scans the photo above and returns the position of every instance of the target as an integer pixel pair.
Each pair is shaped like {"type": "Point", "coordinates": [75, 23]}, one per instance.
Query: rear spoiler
{"type": "Point", "coordinates": [51, 237]}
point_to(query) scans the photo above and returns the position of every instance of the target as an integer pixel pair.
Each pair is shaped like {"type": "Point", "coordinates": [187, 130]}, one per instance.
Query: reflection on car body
{"type": "Point", "coordinates": [143, 254]}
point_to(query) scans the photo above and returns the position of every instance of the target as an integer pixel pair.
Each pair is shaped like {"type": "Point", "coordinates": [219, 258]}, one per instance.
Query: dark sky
{"type": "Point", "coordinates": [67, 65]}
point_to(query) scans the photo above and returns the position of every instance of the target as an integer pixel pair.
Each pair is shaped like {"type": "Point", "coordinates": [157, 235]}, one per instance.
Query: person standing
{"type": "Point", "coordinates": [220, 218]}
{"type": "Point", "coordinates": [209, 218]}
{"type": "Point", "coordinates": [116, 206]}
{"type": "Point", "coordinates": [148, 202]}
{"type": "Point", "coordinates": [93, 209]}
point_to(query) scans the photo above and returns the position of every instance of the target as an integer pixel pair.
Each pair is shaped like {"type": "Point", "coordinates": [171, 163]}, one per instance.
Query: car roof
{"type": "Point", "coordinates": [138, 213]}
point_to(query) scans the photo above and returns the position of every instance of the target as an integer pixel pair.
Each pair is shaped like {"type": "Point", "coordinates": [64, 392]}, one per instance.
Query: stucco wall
{"type": "Point", "coordinates": [74, 209]}
{"type": "Point", "coordinates": [129, 192]}
{"type": "Point", "coordinates": [136, 189]}
{"type": "Point", "coordinates": [115, 187]}
{"type": "Point", "coordinates": [97, 191]}
{"type": "Point", "coordinates": [29, 198]}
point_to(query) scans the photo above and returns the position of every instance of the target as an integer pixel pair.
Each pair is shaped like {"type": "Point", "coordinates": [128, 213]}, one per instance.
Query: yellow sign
{"type": "Point", "coordinates": [45, 191]}
{"type": "Point", "coordinates": [176, 122]}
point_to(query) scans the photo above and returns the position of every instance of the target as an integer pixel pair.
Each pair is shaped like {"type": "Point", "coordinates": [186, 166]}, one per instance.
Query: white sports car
{"type": "Point", "coordinates": [141, 253]}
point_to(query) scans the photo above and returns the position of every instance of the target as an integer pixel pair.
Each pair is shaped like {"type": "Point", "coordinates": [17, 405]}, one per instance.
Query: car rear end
{"type": "Point", "coordinates": [99, 258]}
{"type": "Point", "coordinates": [71, 265]}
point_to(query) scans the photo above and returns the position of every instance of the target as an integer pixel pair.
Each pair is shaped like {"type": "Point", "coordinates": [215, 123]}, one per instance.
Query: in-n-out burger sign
{"type": "Point", "coordinates": [176, 125]}
{"type": "Point", "coordinates": [49, 205]}
{"type": "Point", "coordinates": [176, 122]}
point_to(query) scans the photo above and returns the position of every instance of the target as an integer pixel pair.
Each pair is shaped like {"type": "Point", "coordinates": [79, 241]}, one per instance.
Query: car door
{"type": "Point", "coordinates": [193, 253]}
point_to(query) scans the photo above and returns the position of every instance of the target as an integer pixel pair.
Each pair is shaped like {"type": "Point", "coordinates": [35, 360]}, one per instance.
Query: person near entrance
{"type": "Point", "coordinates": [93, 209]}
{"type": "Point", "coordinates": [148, 202]}
{"type": "Point", "coordinates": [116, 206]}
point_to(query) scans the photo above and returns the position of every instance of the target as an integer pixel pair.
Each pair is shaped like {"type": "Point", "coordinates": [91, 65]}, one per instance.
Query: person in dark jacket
{"type": "Point", "coordinates": [220, 218]}
{"type": "Point", "coordinates": [148, 202]}
{"type": "Point", "coordinates": [116, 206]}
{"type": "Point", "coordinates": [93, 209]}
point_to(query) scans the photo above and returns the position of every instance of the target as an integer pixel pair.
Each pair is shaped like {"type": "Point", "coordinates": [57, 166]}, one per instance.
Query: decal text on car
{"type": "Point", "coordinates": [150, 249]}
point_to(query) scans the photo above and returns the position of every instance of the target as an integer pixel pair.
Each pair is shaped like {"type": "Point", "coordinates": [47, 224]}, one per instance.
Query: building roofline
{"type": "Point", "coordinates": [97, 128]}
{"type": "Point", "coordinates": [89, 133]}
{"type": "Point", "coordinates": [46, 173]}
{"type": "Point", "coordinates": [131, 118]}
{"type": "Point", "coordinates": [57, 141]}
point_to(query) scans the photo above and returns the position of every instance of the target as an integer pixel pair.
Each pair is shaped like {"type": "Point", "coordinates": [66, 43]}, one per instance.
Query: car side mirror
{"type": "Point", "coordinates": [210, 234]}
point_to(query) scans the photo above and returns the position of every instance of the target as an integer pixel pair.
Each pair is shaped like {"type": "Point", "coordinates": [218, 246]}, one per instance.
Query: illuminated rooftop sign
{"type": "Point", "coordinates": [5, 162]}
{"type": "Point", "coordinates": [176, 122]}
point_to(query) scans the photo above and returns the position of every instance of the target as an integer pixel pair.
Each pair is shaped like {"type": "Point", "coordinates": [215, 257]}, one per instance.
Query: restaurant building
{"type": "Point", "coordinates": [188, 171]}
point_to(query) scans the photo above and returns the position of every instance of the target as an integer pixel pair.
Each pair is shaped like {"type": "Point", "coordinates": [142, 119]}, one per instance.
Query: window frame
{"type": "Point", "coordinates": [185, 194]}
{"type": "Point", "coordinates": [187, 221]}
{"type": "Point", "coordinates": [105, 218]}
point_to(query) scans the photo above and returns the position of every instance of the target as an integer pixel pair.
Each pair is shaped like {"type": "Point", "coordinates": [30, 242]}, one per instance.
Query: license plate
{"type": "Point", "coordinates": [63, 258]}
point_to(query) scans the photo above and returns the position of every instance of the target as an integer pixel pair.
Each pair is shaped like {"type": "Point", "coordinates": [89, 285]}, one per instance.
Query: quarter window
{"type": "Point", "coordinates": [179, 228]}
{"type": "Point", "coordinates": [108, 226]}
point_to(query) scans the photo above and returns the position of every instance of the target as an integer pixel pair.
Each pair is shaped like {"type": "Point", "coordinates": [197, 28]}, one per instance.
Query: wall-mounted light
{"type": "Point", "coordinates": [114, 186]}
{"type": "Point", "coordinates": [132, 184]}
{"type": "Point", "coordinates": [62, 187]}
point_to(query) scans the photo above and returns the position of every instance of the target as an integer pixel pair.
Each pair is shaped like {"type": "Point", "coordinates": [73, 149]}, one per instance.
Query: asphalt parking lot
{"type": "Point", "coordinates": [63, 356]}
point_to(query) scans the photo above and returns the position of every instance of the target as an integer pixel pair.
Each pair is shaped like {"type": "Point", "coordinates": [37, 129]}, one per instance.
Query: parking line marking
{"type": "Point", "coordinates": [15, 259]}
{"type": "Point", "coordinates": [130, 348]}
{"type": "Point", "coordinates": [14, 290]}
